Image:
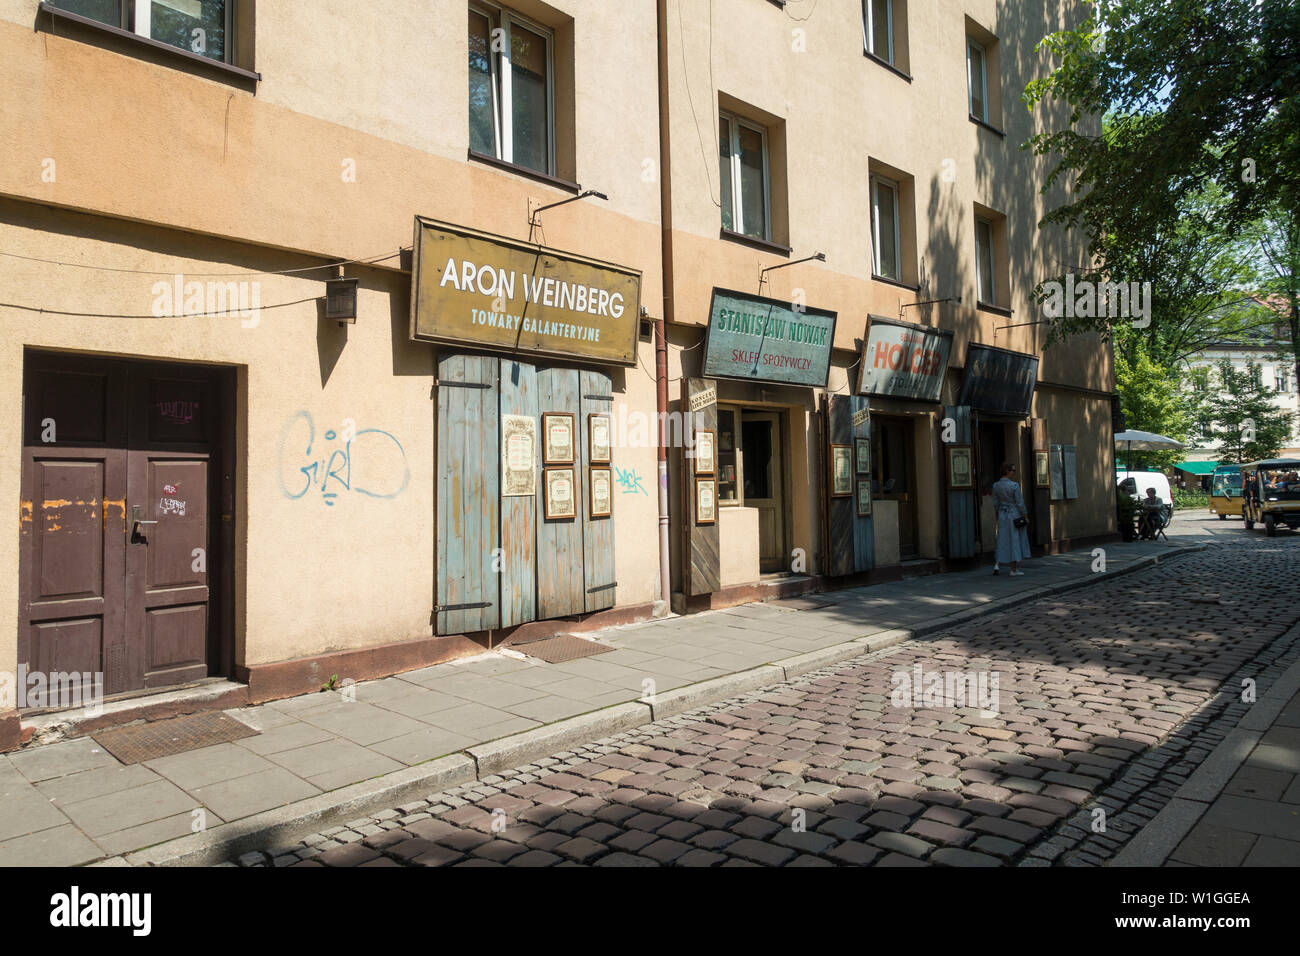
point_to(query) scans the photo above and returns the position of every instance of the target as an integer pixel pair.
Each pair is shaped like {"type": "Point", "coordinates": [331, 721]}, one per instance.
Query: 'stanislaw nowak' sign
{"type": "Point", "coordinates": [473, 288]}
{"type": "Point", "coordinates": [767, 340]}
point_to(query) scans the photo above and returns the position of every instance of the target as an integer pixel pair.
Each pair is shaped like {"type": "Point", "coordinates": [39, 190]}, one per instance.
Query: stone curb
{"type": "Point", "coordinates": [1155, 842]}
{"type": "Point", "coordinates": [298, 819]}
{"type": "Point", "coordinates": [304, 817]}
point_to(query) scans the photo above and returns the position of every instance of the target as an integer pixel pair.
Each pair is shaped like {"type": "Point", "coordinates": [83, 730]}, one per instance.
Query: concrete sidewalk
{"type": "Point", "coordinates": [1242, 805]}
{"type": "Point", "coordinates": [320, 755]}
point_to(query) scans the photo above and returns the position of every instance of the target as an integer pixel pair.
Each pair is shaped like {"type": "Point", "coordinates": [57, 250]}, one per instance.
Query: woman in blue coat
{"type": "Point", "coordinates": [1009, 504]}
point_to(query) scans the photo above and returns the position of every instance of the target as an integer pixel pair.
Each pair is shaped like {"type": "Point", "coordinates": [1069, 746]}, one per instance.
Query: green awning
{"type": "Point", "coordinates": [1197, 467]}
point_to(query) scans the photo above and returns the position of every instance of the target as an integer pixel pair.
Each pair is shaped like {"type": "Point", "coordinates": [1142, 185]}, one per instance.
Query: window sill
{"type": "Point", "coordinates": [902, 285]}
{"type": "Point", "coordinates": [524, 171]}
{"type": "Point", "coordinates": [764, 244]}
{"type": "Point", "coordinates": [995, 309]}
{"type": "Point", "coordinates": [988, 126]}
{"type": "Point", "coordinates": [887, 65]}
{"type": "Point", "coordinates": [128, 43]}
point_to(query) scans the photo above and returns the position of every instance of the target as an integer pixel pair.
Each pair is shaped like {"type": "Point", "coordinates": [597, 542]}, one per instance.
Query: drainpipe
{"type": "Point", "coordinates": [661, 324]}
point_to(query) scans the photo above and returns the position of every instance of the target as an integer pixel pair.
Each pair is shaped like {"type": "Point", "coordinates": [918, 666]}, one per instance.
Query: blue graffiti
{"type": "Point", "coordinates": [629, 481]}
{"type": "Point", "coordinates": [331, 469]}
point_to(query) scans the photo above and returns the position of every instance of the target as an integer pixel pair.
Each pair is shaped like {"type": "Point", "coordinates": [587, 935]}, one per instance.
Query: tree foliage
{"type": "Point", "coordinates": [1245, 425]}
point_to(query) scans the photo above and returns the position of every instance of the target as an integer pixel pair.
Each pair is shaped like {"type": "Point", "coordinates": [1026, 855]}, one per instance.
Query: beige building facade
{"type": "Point", "coordinates": [217, 478]}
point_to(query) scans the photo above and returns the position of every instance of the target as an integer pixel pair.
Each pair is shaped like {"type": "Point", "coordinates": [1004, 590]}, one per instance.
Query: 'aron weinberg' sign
{"type": "Point", "coordinates": [766, 340]}
{"type": "Point", "coordinates": [472, 288]}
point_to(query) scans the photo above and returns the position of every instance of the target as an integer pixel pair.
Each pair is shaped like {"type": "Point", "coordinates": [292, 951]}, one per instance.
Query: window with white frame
{"type": "Point", "coordinates": [878, 28]}
{"type": "Point", "coordinates": [885, 241]}
{"type": "Point", "coordinates": [1281, 379]}
{"type": "Point", "coordinates": [984, 260]}
{"type": "Point", "coordinates": [743, 171]}
{"type": "Point", "coordinates": [977, 80]}
{"type": "Point", "coordinates": [511, 89]}
{"type": "Point", "coordinates": [199, 26]}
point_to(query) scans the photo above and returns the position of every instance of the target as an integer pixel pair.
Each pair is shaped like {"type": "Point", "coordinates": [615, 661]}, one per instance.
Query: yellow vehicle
{"type": "Point", "coordinates": [1272, 493]}
{"type": "Point", "coordinates": [1225, 492]}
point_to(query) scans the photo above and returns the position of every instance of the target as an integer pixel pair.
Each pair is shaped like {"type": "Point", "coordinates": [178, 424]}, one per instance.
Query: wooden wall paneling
{"type": "Point", "coordinates": [468, 518]}
{"type": "Point", "coordinates": [841, 512]}
{"type": "Point", "coordinates": [560, 589]}
{"type": "Point", "coordinates": [518, 391]}
{"type": "Point", "coordinates": [864, 537]}
{"type": "Point", "coordinates": [962, 513]}
{"type": "Point", "coordinates": [598, 533]}
{"type": "Point", "coordinates": [702, 565]}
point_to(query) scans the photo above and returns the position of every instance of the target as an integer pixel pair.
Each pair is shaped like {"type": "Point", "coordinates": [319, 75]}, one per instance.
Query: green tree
{"type": "Point", "coordinates": [1152, 397]}
{"type": "Point", "coordinates": [1201, 93]}
{"type": "Point", "coordinates": [1244, 423]}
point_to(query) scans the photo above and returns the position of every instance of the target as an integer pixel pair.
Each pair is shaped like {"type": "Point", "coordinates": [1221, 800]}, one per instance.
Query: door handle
{"type": "Point", "coordinates": [137, 521]}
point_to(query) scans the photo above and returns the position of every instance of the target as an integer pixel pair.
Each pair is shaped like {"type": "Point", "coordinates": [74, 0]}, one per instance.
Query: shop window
{"type": "Point", "coordinates": [202, 27]}
{"type": "Point", "coordinates": [992, 264]}
{"type": "Point", "coordinates": [984, 94]}
{"type": "Point", "coordinates": [884, 32]}
{"type": "Point", "coordinates": [512, 104]}
{"type": "Point", "coordinates": [743, 169]}
{"type": "Point", "coordinates": [728, 483]}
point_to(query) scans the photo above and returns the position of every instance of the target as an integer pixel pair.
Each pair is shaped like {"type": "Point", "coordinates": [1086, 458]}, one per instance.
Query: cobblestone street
{"type": "Point", "coordinates": [1101, 703]}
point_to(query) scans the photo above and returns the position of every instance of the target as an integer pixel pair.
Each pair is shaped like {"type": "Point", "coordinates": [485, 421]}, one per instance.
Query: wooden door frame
{"type": "Point", "coordinates": [222, 512]}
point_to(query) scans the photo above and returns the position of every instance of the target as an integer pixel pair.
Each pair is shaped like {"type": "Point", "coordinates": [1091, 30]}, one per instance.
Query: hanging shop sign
{"type": "Point", "coordinates": [902, 360]}
{"type": "Point", "coordinates": [473, 288]}
{"type": "Point", "coordinates": [999, 381]}
{"type": "Point", "coordinates": [767, 340]}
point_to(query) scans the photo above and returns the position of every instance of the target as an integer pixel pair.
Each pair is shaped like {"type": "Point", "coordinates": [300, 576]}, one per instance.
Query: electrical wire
{"type": "Point", "coordinates": [224, 275]}
{"type": "Point", "coordinates": [241, 313]}
{"type": "Point", "coordinates": [681, 30]}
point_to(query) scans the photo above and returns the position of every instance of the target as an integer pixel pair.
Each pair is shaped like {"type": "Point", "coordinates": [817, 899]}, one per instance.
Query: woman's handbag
{"type": "Point", "coordinates": [1021, 522]}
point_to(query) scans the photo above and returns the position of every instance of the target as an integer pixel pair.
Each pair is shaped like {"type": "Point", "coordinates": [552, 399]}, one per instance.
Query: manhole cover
{"type": "Point", "coordinates": [162, 738]}
{"type": "Point", "coordinates": [566, 647]}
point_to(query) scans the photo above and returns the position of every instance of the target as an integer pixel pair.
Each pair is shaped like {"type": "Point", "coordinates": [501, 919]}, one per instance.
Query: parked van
{"type": "Point", "coordinates": [1141, 481]}
{"type": "Point", "coordinates": [1225, 492]}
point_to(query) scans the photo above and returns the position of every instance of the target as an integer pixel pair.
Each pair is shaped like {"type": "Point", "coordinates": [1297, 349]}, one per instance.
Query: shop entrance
{"type": "Point", "coordinates": [752, 475]}
{"type": "Point", "coordinates": [121, 522]}
{"type": "Point", "coordinates": [893, 475]}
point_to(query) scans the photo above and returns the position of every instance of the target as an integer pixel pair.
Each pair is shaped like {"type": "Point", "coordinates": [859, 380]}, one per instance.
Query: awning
{"type": "Point", "coordinates": [1197, 467]}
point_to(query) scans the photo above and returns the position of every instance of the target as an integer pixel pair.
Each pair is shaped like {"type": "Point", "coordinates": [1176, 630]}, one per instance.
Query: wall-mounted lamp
{"type": "Point", "coordinates": [341, 299]}
{"type": "Point", "coordinates": [762, 273]}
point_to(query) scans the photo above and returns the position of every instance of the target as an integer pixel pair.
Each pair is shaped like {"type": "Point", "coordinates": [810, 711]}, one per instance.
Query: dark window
{"type": "Point", "coordinates": [199, 26]}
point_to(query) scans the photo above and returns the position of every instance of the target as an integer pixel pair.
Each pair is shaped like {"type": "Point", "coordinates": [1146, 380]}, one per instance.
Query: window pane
{"type": "Point", "coordinates": [727, 490]}
{"type": "Point", "coordinates": [103, 11]}
{"type": "Point", "coordinates": [975, 61]}
{"type": "Point", "coordinates": [753, 186]}
{"type": "Point", "coordinates": [885, 221]}
{"type": "Point", "coordinates": [530, 106]}
{"type": "Point", "coordinates": [724, 172]}
{"type": "Point", "coordinates": [880, 29]}
{"type": "Point", "coordinates": [984, 253]}
{"type": "Point", "coordinates": [195, 25]}
{"type": "Point", "coordinates": [482, 109]}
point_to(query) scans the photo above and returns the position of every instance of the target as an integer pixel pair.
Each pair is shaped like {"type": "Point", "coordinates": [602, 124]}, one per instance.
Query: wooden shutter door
{"type": "Point", "coordinates": [468, 494]}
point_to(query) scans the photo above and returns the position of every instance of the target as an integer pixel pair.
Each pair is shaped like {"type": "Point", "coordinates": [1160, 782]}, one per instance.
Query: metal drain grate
{"type": "Point", "coordinates": [566, 647]}
{"type": "Point", "coordinates": [162, 738]}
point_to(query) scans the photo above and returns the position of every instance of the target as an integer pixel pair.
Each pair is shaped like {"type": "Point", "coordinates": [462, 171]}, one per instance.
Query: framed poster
{"type": "Point", "coordinates": [1069, 472]}
{"type": "Point", "coordinates": [598, 442]}
{"type": "Point", "coordinates": [960, 471]}
{"type": "Point", "coordinates": [864, 497]}
{"type": "Point", "coordinates": [706, 501]}
{"type": "Point", "coordinates": [862, 455]}
{"type": "Point", "coordinates": [706, 458]}
{"type": "Point", "coordinates": [557, 438]}
{"type": "Point", "coordinates": [600, 491]}
{"type": "Point", "coordinates": [1055, 471]}
{"type": "Point", "coordinates": [559, 499]}
{"type": "Point", "coordinates": [518, 456]}
{"type": "Point", "coordinates": [1042, 469]}
{"type": "Point", "coordinates": [841, 471]}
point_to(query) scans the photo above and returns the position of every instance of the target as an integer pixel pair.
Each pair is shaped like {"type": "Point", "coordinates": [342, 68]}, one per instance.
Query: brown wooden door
{"type": "Point", "coordinates": [115, 532]}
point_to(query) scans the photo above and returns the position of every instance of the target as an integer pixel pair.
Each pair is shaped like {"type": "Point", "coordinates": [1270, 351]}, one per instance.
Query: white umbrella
{"type": "Point", "coordinates": [1143, 441]}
